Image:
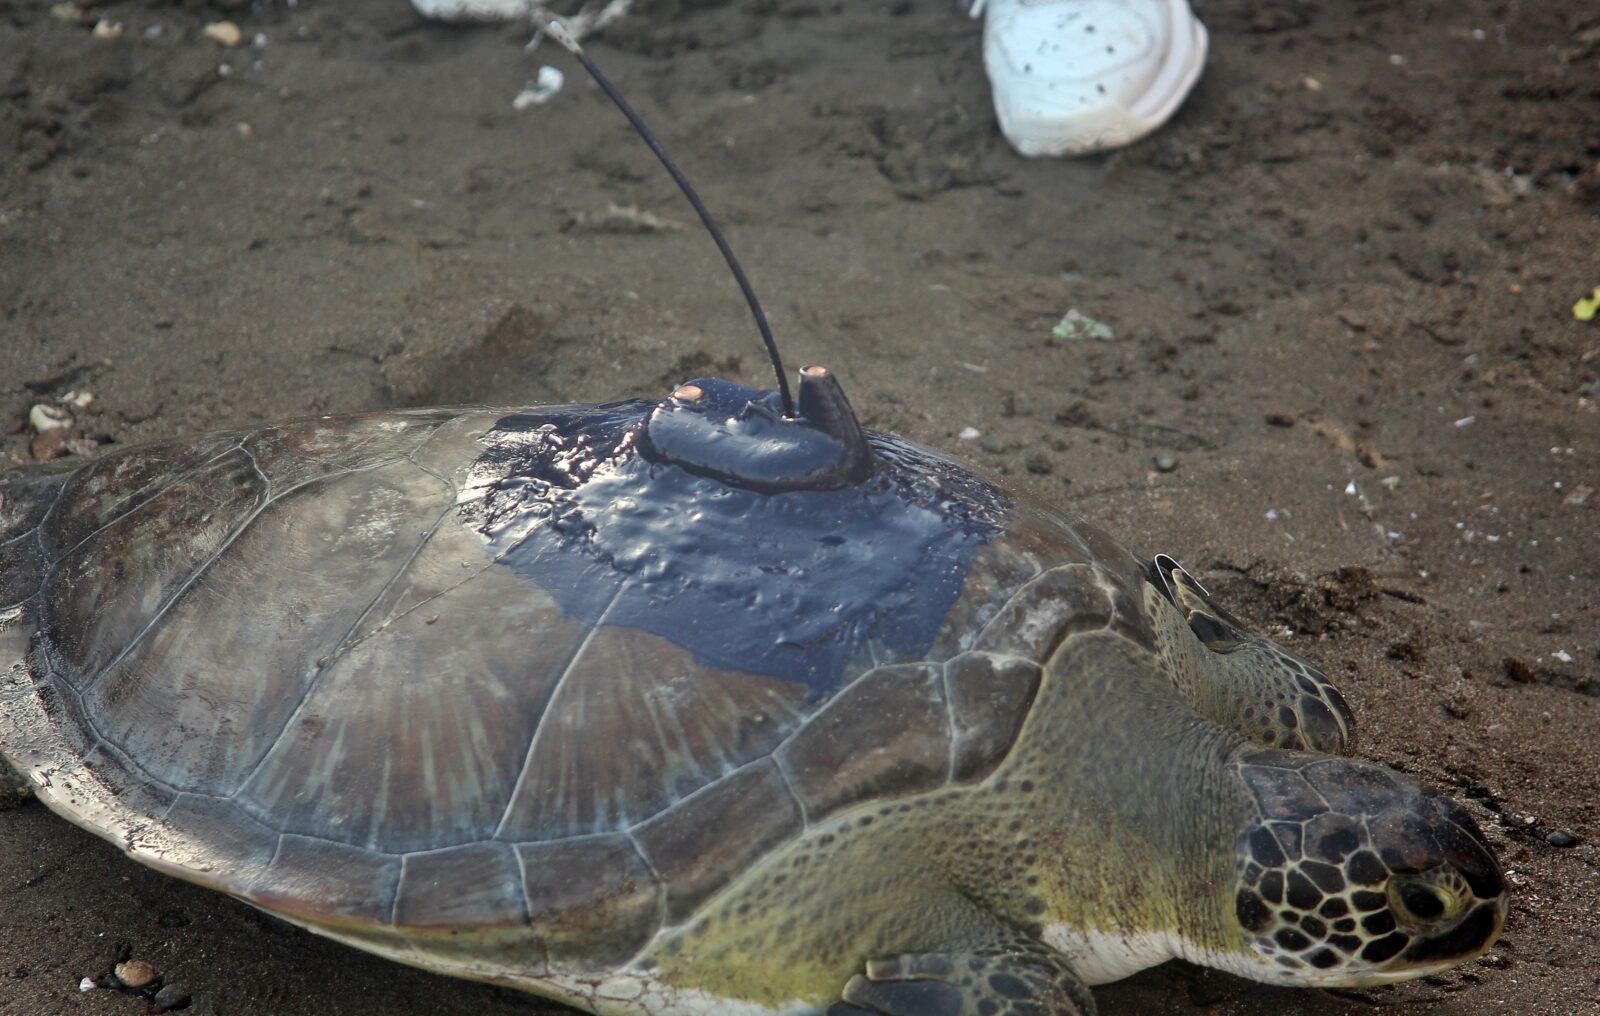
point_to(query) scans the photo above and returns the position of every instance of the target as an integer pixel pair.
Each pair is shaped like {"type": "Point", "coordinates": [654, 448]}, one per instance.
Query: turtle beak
{"type": "Point", "coordinates": [1471, 937]}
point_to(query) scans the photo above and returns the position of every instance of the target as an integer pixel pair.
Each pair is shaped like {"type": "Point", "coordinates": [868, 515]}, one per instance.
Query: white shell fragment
{"type": "Point", "coordinates": [43, 417]}
{"type": "Point", "coordinates": [541, 90]}
{"type": "Point", "coordinates": [1076, 326]}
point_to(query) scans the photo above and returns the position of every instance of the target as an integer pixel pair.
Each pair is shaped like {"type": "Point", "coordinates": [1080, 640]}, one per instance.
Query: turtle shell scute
{"type": "Point", "coordinates": [467, 903]}
{"type": "Point", "coordinates": [699, 844]}
{"type": "Point", "coordinates": [594, 900]}
{"type": "Point", "coordinates": [990, 696]}
{"type": "Point", "coordinates": [887, 733]}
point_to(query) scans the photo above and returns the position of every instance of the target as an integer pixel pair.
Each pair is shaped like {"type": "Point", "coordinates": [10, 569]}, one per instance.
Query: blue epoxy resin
{"type": "Point", "coordinates": [792, 584]}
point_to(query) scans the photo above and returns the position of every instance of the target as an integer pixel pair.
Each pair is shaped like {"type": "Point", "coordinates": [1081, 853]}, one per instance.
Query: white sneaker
{"type": "Point", "coordinates": [581, 25]}
{"type": "Point", "coordinates": [1077, 76]}
{"type": "Point", "coordinates": [474, 10]}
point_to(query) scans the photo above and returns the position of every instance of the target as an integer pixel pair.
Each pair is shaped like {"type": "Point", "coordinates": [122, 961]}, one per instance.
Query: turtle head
{"type": "Point", "coordinates": [1350, 874]}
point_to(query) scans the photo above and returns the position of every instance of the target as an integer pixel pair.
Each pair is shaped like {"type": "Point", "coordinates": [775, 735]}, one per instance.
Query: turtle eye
{"type": "Point", "coordinates": [1424, 902]}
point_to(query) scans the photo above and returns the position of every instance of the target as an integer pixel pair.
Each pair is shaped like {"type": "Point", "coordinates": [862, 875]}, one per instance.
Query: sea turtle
{"type": "Point", "coordinates": [699, 707]}
{"type": "Point", "coordinates": [714, 706]}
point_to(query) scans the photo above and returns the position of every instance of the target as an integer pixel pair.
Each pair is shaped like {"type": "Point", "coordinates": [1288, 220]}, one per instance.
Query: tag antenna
{"type": "Point", "coordinates": [561, 35]}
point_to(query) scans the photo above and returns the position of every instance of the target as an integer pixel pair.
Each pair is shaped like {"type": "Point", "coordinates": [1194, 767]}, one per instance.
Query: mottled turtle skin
{"type": "Point", "coordinates": [638, 707]}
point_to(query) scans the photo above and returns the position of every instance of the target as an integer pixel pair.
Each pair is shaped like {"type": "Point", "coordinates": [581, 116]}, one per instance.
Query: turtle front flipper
{"type": "Point", "coordinates": [1022, 980]}
{"type": "Point", "coordinates": [1241, 680]}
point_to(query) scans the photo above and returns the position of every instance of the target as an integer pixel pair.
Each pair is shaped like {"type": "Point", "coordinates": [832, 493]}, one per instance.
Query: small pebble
{"type": "Point", "coordinates": [135, 973]}
{"type": "Point", "coordinates": [1353, 321]}
{"type": "Point", "coordinates": [225, 32]}
{"type": "Point", "coordinates": [171, 997]}
{"type": "Point", "coordinates": [1560, 838]}
{"type": "Point", "coordinates": [1518, 670]}
{"type": "Point", "coordinates": [1166, 462]}
{"type": "Point", "coordinates": [51, 444]}
{"type": "Point", "coordinates": [87, 984]}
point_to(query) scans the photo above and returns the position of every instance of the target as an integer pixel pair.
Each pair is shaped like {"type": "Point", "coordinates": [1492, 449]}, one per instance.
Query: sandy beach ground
{"type": "Point", "coordinates": [1340, 284]}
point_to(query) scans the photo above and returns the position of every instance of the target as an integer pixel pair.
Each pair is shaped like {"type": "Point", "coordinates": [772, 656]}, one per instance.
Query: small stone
{"type": "Point", "coordinates": [1039, 464]}
{"type": "Point", "coordinates": [225, 32]}
{"type": "Point", "coordinates": [171, 997]}
{"type": "Point", "coordinates": [1166, 462]}
{"type": "Point", "coordinates": [87, 984]}
{"type": "Point", "coordinates": [52, 444]}
{"type": "Point", "coordinates": [105, 28]}
{"type": "Point", "coordinates": [1560, 838]}
{"type": "Point", "coordinates": [135, 973]}
{"type": "Point", "coordinates": [1518, 670]}
{"type": "Point", "coordinates": [1280, 419]}
{"type": "Point", "coordinates": [45, 417]}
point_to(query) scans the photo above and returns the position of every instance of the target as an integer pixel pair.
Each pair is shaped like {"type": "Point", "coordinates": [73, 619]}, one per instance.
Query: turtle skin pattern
{"type": "Point", "coordinates": [301, 665]}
